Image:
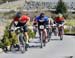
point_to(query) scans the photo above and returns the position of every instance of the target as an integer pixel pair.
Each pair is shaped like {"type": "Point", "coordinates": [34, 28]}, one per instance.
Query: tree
{"type": "Point", "coordinates": [61, 7]}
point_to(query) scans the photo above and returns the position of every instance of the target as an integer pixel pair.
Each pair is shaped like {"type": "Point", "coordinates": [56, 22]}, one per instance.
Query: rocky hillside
{"type": "Point", "coordinates": [12, 5]}
{"type": "Point", "coordinates": [2, 1]}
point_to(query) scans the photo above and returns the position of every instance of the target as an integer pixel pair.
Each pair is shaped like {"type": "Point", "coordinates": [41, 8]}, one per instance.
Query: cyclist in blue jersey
{"type": "Point", "coordinates": [42, 20]}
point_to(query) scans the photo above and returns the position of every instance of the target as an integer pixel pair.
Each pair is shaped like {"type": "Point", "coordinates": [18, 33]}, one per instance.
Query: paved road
{"type": "Point", "coordinates": [54, 49]}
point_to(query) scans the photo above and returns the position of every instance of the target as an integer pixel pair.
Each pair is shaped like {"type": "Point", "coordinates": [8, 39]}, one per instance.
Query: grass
{"type": "Point", "coordinates": [70, 22]}
{"type": "Point", "coordinates": [70, 33]}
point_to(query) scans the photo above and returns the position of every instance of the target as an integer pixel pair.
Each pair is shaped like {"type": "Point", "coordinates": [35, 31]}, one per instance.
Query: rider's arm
{"type": "Point", "coordinates": [28, 22]}
{"type": "Point", "coordinates": [14, 19]}
{"type": "Point", "coordinates": [49, 20]}
{"type": "Point", "coordinates": [35, 22]}
{"type": "Point", "coordinates": [11, 24]}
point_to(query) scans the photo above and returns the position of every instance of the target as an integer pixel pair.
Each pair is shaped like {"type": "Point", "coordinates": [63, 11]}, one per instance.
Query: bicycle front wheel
{"type": "Point", "coordinates": [22, 43]}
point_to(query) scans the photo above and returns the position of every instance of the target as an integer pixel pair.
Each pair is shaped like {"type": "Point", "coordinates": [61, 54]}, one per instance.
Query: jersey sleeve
{"type": "Point", "coordinates": [28, 18]}
{"type": "Point", "coordinates": [37, 18]}
{"type": "Point", "coordinates": [46, 18]}
{"type": "Point", "coordinates": [15, 19]}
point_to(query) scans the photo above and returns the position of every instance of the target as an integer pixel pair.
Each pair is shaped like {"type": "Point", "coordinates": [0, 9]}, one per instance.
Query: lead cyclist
{"type": "Point", "coordinates": [45, 22]}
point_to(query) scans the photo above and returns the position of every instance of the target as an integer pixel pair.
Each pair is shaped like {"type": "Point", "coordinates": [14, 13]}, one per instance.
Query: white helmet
{"type": "Point", "coordinates": [60, 15]}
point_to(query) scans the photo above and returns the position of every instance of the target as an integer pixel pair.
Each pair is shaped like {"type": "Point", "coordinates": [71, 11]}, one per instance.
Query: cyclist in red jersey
{"type": "Point", "coordinates": [59, 19]}
{"type": "Point", "coordinates": [22, 20]}
{"type": "Point", "coordinates": [15, 19]}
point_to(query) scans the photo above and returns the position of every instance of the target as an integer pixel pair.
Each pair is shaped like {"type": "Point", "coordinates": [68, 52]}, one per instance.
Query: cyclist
{"type": "Point", "coordinates": [22, 20]}
{"type": "Point", "coordinates": [51, 22]}
{"type": "Point", "coordinates": [59, 20]}
{"type": "Point", "coordinates": [45, 22]}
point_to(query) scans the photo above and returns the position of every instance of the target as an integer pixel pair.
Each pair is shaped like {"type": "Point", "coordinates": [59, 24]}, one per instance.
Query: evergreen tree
{"type": "Point", "coordinates": [61, 7]}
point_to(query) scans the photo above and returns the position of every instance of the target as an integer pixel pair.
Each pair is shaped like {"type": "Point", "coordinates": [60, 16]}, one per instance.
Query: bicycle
{"type": "Point", "coordinates": [21, 39]}
{"type": "Point", "coordinates": [61, 31]}
{"type": "Point", "coordinates": [49, 31]}
{"type": "Point", "coordinates": [54, 29]}
{"type": "Point", "coordinates": [42, 36]}
{"type": "Point", "coordinates": [58, 29]}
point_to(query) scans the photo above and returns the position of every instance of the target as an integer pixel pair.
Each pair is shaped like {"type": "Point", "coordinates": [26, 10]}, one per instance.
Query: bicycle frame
{"type": "Point", "coordinates": [60, 32]}
{"type": "Point", "coordinates": [22, 41]}
{"type": "Point", "coordinates": [49, 31]}
{"type": "Point", "coordinates": [41, 33]}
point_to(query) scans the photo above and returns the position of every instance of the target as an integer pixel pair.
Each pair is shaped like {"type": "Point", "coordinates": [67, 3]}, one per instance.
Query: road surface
{"type": "Point", "coordinates": [54, 49]}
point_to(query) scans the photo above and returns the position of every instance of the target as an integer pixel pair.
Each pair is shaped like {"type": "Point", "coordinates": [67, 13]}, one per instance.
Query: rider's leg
{"type": "Point", "coordinates": [45, 32]}
{"type": "Point", "coordinates": [27, 37]}
{"type": "Point", "coordinates": [61, 31]}
{"type": "Point", "coordinates": [26, 33]}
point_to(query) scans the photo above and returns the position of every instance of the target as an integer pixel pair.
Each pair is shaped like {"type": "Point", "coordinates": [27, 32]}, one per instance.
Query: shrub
{"type": "Point", "coordinates": [8, 39]}
{"type": "Point", "coordinates": [5, 39]}
{"type": "Point", "coordinates": [31, 33]}
{"type": "Point", "coordinates": [66, 31]}
{"type": "Point", "coordinates": [1, 44]}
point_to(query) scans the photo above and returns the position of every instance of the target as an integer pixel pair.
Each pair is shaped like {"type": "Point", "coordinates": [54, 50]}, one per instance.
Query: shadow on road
{"type": "Point", "coordinates": [69, 57]}
{"type": "Point", "coordinates": [55, 39]}
{"type": "Point", "coordinates": [34, 46]}
{"type": "Point", "coordinates": [14, 52]}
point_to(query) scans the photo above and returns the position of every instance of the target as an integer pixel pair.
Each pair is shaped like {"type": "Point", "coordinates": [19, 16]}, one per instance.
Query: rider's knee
{"type": "Point", "coordinates": [45, 30]}
{"type": "Point", "coordinates": [26, 33]}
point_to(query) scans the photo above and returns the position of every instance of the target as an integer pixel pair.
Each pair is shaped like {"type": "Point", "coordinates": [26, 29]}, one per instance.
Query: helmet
{"type": "Point", "coordinates": [42, 14]}
{"type": "Point", "coordinates": [60, 15]}
{"type": "Point", "coordinates": [18, 14]}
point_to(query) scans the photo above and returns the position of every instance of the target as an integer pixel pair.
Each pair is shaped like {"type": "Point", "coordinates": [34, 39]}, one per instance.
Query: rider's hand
{"type": "Point", "coordinates": [54, 25]}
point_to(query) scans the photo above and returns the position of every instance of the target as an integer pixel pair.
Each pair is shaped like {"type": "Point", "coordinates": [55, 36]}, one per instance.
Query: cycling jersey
{"type": "Point", "coordinates": [16, 19]}
{"type": "Point", "coordinates": [23, 19]}
{"type": "Point", "coordinates": [58, 20]}
{"type": "Point", "coordinates": [44, 20]}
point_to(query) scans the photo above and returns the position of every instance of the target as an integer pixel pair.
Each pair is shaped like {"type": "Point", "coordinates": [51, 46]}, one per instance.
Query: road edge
{"type": "Point", "coordinates": [70, 34]}
{"type": "Point", "coordinates": [1, 50]}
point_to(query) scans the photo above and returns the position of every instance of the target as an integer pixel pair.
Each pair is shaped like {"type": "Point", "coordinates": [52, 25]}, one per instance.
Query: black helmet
{"type": "Point", "coordinates": [18, 14]}
{"type": "Point", "coordinates": [42, 14]}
